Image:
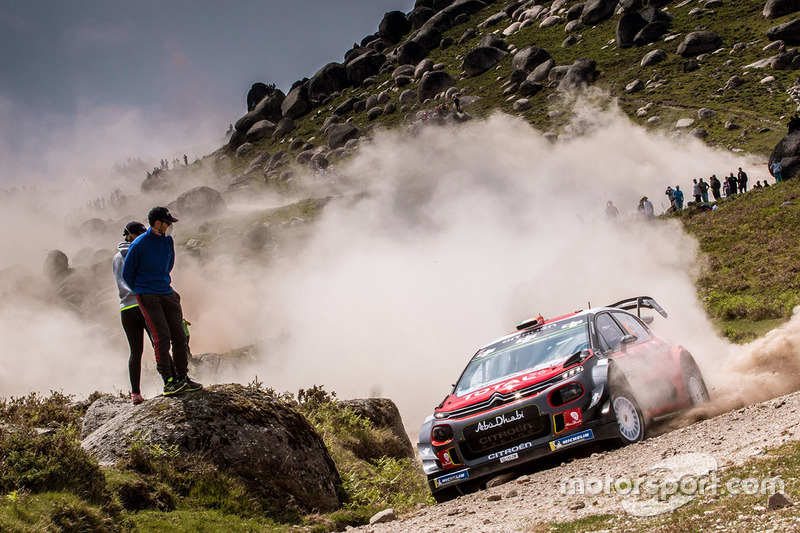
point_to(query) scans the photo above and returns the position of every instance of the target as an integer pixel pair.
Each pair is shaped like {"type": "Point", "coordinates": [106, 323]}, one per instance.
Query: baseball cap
{"type": "Point", "coordinates": [160, 213]}
{"type": "Point", "coordinates": [134, 228]}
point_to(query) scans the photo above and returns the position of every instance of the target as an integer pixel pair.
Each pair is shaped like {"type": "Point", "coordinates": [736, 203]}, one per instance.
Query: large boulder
{"type": "Point", "coordinates": [699, 42]}
{"type": "Point", "coordinates": [242, 430]}
{"type": "Point", "coordinates": [411, 53]}
{"type": "Point", "coordinates": [529, 58]}
{"type": "Point", "coordinates": [256, 93]}
{"type": "Point", "coordinates": [778, 8]}
{"type": "Point", "coordinates": [383, 414]}
{"type": "Point", "coordinates": [628, 26]}
{"type": "Point", "coordinates": [364, 66]}
{"type": "Point", "coordinates": [595, 11]}
{"type": "Point", "coordinates": [480, 60]}
{"type": "Point", "coordinates": [788, 32]}
{"type": "Point", "coordinates": [787, 151]}
{"type": "Point", "coordinates": [260, 130]}
{"type": "Point", "coordinates": [419, 16]}
{"type": "Point", "coordinates": [328, 80]}
{"type": "Point", "coordinates": [580, 74]}
{"type": "Point", "coordinates": [200, 202]}
{"type": "Point", "coordinates": [428, 37]}
{"type": "Point", "coordinates": [432, 83]}
{"type": "Point", "coordinates": [651, 33]}
{"type": "Point", "coordinates": [541, 72]}
{"type": "Point", "coordinates": [284, 127]}
{"type": "Point", "coordinates": [269, 108]}
{"type": "Point", "coordinates": [394, 26]}
{"type": "Point", "coordinates": [339, 134]}
{"type": "Point", "coordinates": [493, 39]}
{"type": "Point", "coordinates": [297, 103]}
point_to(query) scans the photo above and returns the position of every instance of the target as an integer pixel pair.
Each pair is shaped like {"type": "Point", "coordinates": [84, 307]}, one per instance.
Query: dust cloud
{"type": "Point", "coordinates": [432, 245]}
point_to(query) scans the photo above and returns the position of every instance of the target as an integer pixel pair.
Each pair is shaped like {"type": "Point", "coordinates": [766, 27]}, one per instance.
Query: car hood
{"type": "Point", "coordinates": [506, 386]}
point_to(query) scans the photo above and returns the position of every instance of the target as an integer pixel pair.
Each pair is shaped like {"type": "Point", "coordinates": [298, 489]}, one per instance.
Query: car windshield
{"type": "Point", "coordinates": [524, 352]}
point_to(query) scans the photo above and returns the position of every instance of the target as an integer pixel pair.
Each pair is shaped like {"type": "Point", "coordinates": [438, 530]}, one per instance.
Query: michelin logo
{"type": "Point", "coordinates": [571, 439]}
{"type": "Point", "coordinates": [450, 478]}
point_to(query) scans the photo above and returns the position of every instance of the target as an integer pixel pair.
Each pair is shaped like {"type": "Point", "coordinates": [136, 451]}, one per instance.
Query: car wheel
{"type": "Point", "coordinates": [695, 385]}
{"type": "Point", "coordinates": [445, 495]}
{"type": "Point", "coordinates": [630, 420]}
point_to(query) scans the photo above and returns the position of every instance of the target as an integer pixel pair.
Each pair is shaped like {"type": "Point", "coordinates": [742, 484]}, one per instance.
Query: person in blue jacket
{"type": "Point", "coordinates": [146, 271]}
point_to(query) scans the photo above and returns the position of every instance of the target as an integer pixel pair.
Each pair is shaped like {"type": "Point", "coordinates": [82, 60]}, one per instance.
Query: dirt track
{"type": "Point", "coordinates": [730, 439]}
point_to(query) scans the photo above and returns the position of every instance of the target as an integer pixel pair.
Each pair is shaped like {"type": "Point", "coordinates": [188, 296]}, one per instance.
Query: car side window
{"type": "Point", "coordinates": [608, 332]}
{"type": "Point", "coordinates": [631, 325]}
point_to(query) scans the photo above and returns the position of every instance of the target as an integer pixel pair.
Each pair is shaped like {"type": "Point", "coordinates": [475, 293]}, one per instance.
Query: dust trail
{"type": "Point", "coordinates": [465, 232]}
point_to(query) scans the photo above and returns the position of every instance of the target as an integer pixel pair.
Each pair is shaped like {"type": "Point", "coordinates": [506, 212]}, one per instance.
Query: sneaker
{"type": "Point", "coordinates": [136, 398]}
{"type": "Point", "coordinates": [191, 386]}
{"type": "Point", "coordinates": [173, 386]}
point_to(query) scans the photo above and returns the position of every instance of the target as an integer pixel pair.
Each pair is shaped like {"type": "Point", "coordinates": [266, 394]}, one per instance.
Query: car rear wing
{"type": "Point", "coordinates": [638, 303]}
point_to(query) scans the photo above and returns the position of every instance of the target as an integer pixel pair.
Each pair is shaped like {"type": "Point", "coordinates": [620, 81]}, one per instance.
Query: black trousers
{"type": "Point", "coordinates": [164, 317]}
{"type": "Point", "coordinates": [135, 327]}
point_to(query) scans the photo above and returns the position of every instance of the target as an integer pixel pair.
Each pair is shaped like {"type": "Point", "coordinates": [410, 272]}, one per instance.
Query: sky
{"type": "Point", "coordinates": [107, 80]}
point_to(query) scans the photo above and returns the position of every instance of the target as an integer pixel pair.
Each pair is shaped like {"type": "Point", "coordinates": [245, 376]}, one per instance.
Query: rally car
{"type": "Point", "coordinates": [553, 385]}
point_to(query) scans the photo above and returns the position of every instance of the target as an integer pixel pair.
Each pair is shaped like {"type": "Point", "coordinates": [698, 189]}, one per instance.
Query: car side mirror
{"type": "Point", "coordinates": [628, 339]}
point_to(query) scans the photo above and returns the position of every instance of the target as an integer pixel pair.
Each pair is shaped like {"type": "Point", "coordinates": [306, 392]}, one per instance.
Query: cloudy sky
{"type": "Point", "coordinates": [102, 80]}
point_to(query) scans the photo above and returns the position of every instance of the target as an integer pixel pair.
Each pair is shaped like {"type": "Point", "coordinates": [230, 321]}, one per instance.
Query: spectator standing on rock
{"type": "Point", "coordinates": [457, 102]}
{"type": "Point", "coordinates": [678, 197]}
{"type": "Point", "coordinates": [147, 270]}
{"type": "Point", "coordinates": [703, 190]}
{"type": "Point", "coordinates": [133, 322]}
{"type": "Point", "coordinates": [670, 192]}
{"type": "Point", "coordinates": [777, 168]}
{"type": "Point", "coordinates": [696, 191]}
{"type": "Point", "coordinates": [732, 184]}
{"type": "Point", "coordinates": [715, 186]}
{"type": "Point", "coordinates": [185, 160]}
{"type": "Point", "coordinates": [741, 179]}
{"type": "Point", "coordinates": [611, 211]}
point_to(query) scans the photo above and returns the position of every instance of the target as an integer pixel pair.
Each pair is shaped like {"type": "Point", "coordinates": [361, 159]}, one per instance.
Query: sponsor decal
{"type": "Point", "coordinates": [508, 434]}
{"type": "Point", "coordinates": [508, 458]}
{"type": "Point", "coordinates": [573, 418]}
{"type": "Point", "coordinates": [510, 451]}
{"type": "Point", "coordinates": [499, 420]}
{"type": "Point", "coordinates": [451, 478]}
{"type": "Point", "coordinates": [444, 458]}
{"type": "Point", "coordinates": [571, 439]}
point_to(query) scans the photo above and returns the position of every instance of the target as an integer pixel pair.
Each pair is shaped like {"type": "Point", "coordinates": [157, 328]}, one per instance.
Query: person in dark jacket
{"type": "Point", "coordinates": [147, 270]}
{"type": "Point", "coordinates": [716, 185]}
{"type": "Point", "coordinates": [130, 315]}
{"type": "Point", "coordinates": [741, 179]}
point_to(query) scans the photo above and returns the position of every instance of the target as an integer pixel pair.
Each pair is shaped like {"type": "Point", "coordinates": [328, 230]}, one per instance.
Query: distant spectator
{"type": "Point", "coordinates": [715, 186]}
{"type": "Point", "coordinates": [678, 197]}
{"type": "Point", "coordinates": [647, 208]}
{"type": "Point", "coordinates": [777, 169]}
{"type": "Point", "coordinates": [670, 192]}
{"type": "Point", "coordinates": [766, 184]}
{"type": "Point", "coordinates": [611, 211]}
{"type": "Point", "coordinates": [185, 160]}
{"type": "Point", "coordinates": [703, 190]}
{"type": "Point", "coordinates": [457, 102]}
{"type": "Point", "coordinates": [757, 186]}
{"type": "Point", "coordinates": [741, 179]}
{"type": "Point", "coordinates": [696, 191]}
{"type": "Point", "coordinates": [732, 186]}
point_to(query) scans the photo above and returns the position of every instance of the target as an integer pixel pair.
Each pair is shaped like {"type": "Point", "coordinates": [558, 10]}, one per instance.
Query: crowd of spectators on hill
{"type": "Point", "coordinates": [728, 186]}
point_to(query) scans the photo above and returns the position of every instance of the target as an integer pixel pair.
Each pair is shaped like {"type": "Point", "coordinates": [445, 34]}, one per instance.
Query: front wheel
{"type": "Point", "coordinates": [630, 420]}
{"type": "Point", "coordinates": [695, 385]}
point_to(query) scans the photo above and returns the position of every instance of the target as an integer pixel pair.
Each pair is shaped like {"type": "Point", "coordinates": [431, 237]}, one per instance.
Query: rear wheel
{"type": "Point", "coordinates": [630, 421]}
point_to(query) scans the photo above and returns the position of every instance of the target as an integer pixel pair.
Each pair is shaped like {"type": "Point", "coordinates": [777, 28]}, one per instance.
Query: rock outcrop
{"type": "Point", "coordinates": [268, 445]}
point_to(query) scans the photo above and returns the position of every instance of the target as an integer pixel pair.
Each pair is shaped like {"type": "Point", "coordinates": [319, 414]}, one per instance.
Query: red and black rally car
{"type": "Point", "coordinates": [553, 385]}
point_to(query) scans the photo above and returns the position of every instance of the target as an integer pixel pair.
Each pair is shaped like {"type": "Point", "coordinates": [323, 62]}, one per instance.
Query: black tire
{"type": "Point", "coordinates": [695, 384]}
{"type": "Point", "coordinates": [447, 494]}
{"type": "Point", "coordinates": [630, 420]}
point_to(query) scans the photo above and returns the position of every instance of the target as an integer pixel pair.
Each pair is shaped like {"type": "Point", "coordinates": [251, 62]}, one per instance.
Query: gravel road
{"type": "Point", "coordinates": [723, 441]}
